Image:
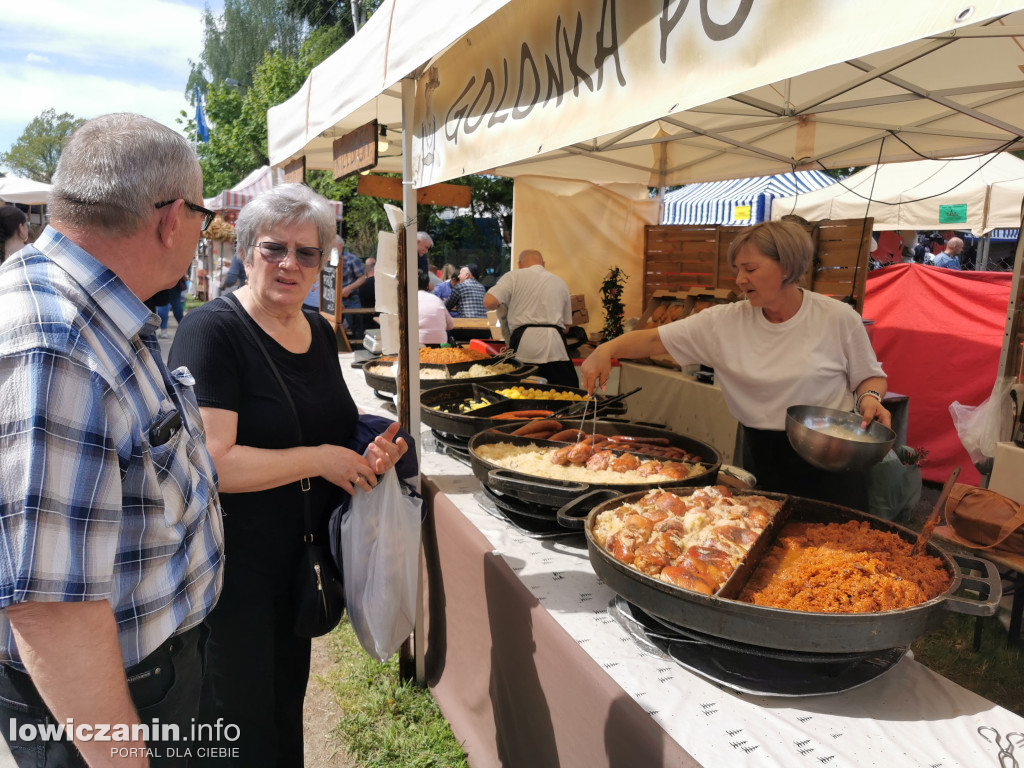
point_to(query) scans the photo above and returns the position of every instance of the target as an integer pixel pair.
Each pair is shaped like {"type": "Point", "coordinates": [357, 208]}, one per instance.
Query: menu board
{"type": "Point", "coordinates": [329, 290]}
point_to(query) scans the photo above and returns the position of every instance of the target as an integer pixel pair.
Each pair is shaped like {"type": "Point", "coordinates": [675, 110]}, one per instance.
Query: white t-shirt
{"type": "Point", "coordinates": [535, 296]}
{"type": "Point", "coordinates": [817, 357]}
{"type": "Point", "coordinates": [435, 322]}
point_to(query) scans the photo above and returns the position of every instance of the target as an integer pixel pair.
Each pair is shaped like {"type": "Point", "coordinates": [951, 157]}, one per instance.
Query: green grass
{"type": "Point", "coordinates": [995, 672]}
{"type": "Point", "coordinates": [386, 722]}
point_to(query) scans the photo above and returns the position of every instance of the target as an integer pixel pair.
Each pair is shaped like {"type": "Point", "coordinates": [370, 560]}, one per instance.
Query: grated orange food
{"type": "Point", "coordinates": [843, 568]}
{"type": "Point", "coordinates": [449, 355]}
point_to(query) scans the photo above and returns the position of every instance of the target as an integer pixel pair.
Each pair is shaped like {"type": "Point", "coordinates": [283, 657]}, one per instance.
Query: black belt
{"type": "Point", "coordinates": [517, 336]}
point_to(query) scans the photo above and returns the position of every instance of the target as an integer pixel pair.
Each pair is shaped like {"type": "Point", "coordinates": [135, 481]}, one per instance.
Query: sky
{"type": "Point", "coordinates": [90, 57]}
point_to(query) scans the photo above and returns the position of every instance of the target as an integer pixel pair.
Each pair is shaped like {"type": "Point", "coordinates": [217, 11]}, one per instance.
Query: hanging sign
{"type": "Point", "coordinates": [741, 213]}
{"type": "Point", "coordinates": [953, 214]}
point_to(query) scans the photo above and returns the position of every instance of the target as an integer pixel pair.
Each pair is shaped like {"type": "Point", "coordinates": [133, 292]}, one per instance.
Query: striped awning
{"type": "Point", "coordinates": [737, 202]}
{"type": "Point", "coordinates": [260, 180]}
{"type": "Point", "coordinates": [1004, 234]}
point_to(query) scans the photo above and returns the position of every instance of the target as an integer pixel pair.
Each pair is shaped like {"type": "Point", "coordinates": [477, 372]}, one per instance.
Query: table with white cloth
{"type": "Point", "coordinates": [530, 669]}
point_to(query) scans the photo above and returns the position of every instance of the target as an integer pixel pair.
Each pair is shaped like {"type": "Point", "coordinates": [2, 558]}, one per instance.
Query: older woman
{"type": "Point", "coordinates": [257, 667]}
{"type": "Point", "coordinates": [783, 346]}
{"type": "Point", "coordinates": [13, 230]}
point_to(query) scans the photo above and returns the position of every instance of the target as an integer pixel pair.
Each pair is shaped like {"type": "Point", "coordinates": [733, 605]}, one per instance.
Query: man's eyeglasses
{"type": "Point", "coordinates": [275, 253]}
{"type": "Point", "coordinates": [208, 215]}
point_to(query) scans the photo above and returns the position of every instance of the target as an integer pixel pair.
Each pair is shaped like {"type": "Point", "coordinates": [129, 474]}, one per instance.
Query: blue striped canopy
{"type": "Point", "coordinates": [737, 202]}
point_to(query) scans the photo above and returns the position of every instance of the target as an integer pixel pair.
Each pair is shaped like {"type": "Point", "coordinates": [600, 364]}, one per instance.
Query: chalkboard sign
{"type": "Point", "coordinates": [329, 290]}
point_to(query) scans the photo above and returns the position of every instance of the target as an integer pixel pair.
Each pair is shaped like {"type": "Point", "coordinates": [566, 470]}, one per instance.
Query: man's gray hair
{"type": "Point", "coordinates": [116, 168]}
{"type": "Point", "coordinates": [285, 205]}
{"type": "Point", "coordinates": [423, 237]}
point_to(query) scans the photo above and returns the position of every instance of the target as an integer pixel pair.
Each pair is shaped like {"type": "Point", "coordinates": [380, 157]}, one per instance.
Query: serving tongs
{"type": "Point", "coordinates": [580, 407]}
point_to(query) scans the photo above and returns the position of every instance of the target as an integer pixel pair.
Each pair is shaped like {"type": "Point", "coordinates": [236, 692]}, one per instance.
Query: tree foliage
{"type": "Point", "coordinates": [36, 152]}
{"type": "Point", "coordinates": [236, 42]}
{"type": "Point", "coordinates": [350, 15]}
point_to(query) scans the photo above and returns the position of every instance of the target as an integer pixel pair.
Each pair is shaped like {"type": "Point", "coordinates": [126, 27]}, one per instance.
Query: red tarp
{"type": "Point", "coordinates": [938, 334]}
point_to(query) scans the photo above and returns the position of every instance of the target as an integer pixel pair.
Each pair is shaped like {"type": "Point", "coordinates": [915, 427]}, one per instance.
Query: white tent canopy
{"type": "Point", "coordinates": [15, 189]}
{"type": "Point", "coordinates": [740, 202]}
{"type": "Point", "coordinates": [513, 85]}
{"type": "Point", "coordinates": [979, 194]}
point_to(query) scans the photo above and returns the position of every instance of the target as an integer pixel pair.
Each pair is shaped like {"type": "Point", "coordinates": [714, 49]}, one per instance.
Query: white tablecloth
{"type": "Point", "coordinates": [908, 717]}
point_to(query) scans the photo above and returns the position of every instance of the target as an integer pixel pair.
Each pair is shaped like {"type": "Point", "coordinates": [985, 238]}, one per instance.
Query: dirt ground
{"type": "Point", "coordinates": [321, 713]}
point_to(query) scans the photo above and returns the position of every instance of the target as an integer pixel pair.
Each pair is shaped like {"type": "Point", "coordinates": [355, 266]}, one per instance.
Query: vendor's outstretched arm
{"type": "Point", "coordinates": [596, 368]}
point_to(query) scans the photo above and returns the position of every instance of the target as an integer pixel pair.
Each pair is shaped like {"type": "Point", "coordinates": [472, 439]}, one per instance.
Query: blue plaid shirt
{"type": "Point", "coordinates": [351, 270]}
{"type": "Point", "coordinates": [468, 299]}
{"type": "Point", "coordinates": [91, 509]}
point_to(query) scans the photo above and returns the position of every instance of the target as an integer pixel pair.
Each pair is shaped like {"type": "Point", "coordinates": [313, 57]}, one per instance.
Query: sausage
{"type": "Point", "coordinates": [567, 436]}
{"type": "Point", "coordinates": [517, 415]}
{"type": "Point", "coordinates": [540, 425]}
{"type": "Point", "coordinates": [642, 440]}
{"type": "Point", "coordinates": [545, 435]}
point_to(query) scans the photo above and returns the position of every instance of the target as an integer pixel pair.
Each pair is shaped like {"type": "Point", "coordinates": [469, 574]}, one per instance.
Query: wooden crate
{"type": "Point", "coordinates": [679, 258]}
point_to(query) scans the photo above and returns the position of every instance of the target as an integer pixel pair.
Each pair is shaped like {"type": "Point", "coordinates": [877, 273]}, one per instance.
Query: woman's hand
{"type": "Point", "coordinates": [873, 410]}
{"type": "Point", "coordinates": [596, 369]}
{"type": "Point", "coordinates": [385, 451]}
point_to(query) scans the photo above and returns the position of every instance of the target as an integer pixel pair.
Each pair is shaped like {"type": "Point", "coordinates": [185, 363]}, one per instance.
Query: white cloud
{"type": "Point", "coordinates": [90, 58]}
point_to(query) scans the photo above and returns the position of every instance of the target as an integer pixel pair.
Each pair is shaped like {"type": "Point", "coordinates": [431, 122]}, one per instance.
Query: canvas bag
{"type": "Point", "coordinates": [983, 519]}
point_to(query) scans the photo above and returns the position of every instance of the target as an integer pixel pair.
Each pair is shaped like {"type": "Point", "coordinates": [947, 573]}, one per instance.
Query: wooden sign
{"type": "Point", "coordinates": [356, 151]}
{"type": "Point", "coordinates": [295, 171]}
{"type": "Point", "coordinates": [329, 304]}
{"type": "Point", "coordinates": [390, 188]}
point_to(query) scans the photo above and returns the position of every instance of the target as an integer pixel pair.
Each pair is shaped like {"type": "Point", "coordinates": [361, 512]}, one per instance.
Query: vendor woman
{"type": "Point", "coordinates": [783, 346]}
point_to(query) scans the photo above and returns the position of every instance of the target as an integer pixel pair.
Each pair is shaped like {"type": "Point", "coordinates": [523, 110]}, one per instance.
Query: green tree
{"type": "Point", "coordinates": [350, 14]}
{"type": "Point", "coordinates": [236, 42]}
{"type": "Point", "coordinates": [37, 150]}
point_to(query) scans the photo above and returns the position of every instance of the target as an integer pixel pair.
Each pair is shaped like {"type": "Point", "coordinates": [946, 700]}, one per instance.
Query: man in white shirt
{"type": "Point", "coordinates": [539, 313]}
{"type": "Point", "coordinates": [435, 322]}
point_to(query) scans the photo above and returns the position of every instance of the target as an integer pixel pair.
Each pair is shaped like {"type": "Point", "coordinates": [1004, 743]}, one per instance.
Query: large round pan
{"type": "Point", "coordinates": [557, 493]}
{"type": "Point", "coordinates": [389, 383]}
{"type": "Point", "coordinates": [468, 424]}
{"type": "Point", "coordinates": [799, 630]}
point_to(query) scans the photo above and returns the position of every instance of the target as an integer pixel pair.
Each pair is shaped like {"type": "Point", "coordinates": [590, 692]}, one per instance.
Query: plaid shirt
{"type": "Point", "coordinates": [351, 270]}
{"type": "Point", "coordinates": [468, 299]}
{"type": "Point", "coordinates": [91, 509]}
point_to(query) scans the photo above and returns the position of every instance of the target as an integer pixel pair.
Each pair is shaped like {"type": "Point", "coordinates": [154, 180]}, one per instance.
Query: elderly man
{"type": "Point", "coordinates": [424, 243]}
{"type": "Point", "coordinates": [112, 535]}
{"type": "Point", "coordinates": [467, 298]}
{"type": "Point", "coordinates": [950, 258]}
{"type": "Point", "coordinates": [539, 312]}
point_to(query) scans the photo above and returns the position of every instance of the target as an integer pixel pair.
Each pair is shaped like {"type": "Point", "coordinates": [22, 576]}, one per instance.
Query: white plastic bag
{"type": "Point", "coordinates": [980, 427]}
{"type": "Point", "coordinates": [380, 543]}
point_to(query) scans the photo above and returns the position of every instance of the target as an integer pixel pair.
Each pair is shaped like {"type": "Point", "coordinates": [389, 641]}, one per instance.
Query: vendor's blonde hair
{"type": "Point", "coordinates": [784, 241]}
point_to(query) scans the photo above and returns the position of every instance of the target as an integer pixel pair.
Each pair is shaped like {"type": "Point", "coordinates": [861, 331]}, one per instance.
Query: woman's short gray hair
{"type": "Point", "coordinates": [784, 241]}
{"type": "Point", "coordinates": [285, 205]}
{"type": "Point", "coordinates": [116, 168]}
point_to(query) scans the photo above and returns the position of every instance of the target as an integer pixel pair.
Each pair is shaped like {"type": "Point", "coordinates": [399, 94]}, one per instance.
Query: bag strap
{"type": "Point", "coordinates": [957, 495]}
{"type": "Point", "coordinates": [233, 302]}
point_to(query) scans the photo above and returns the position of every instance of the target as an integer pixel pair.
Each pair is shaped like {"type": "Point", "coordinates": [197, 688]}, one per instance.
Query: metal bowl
{"type": "Point", "coordinates": [833, 440]}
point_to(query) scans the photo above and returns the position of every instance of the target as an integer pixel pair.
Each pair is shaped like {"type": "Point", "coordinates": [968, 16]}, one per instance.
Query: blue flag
{"type": "Point", "coordinates": [202, 129]}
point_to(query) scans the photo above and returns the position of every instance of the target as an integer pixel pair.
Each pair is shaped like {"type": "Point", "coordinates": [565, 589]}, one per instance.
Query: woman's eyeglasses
{"type": "Point", "coordinates": [275, 253]}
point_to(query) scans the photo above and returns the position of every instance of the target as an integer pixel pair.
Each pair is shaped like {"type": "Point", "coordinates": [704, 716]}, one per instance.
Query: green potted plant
{"type": "Point", "coordinates": [611, 300]}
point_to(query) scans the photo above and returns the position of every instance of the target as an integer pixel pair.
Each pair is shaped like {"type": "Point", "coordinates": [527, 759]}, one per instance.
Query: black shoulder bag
{"type": "Point", "coordinates": [317, 585]}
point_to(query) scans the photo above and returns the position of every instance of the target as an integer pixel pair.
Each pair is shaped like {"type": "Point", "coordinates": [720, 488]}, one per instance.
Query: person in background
{"type": "Point", "coordinates": [424, 243]}
{"type": "Point", "coordinates": [783, 346]}
{"type": "Point", "coordinates": [352, 278]}
{"type": "Point", "coordinates": [257, 666]}
{"type": "Point", "coordinates": [950, 258]}
{"type": "Point", "coordinates": [539, 314]}
{"type": "Point", "coordinates": [175, 303]}
{"type": "Point", "coordinates": [449, 279]}
{"type": "Point", "coordinates": [14, 234]}
{"type": "Point", "coordinates": [367, 297]}
{"type": "Point", "coordinates": [468, 296]}
{"type": "Point", "coordinates": [433, 275]}
{"type": "Point", "coordinates": [112, 524]}
{"type": "Point", "coordinates": [435, 322]}
{"type": "Point", "coordinates": [235, 276]}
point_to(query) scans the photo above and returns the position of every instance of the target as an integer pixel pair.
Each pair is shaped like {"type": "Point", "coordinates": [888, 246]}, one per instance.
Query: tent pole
{"type": "Point", "coordinates": [412, 660]}
{"type": "Point", "coordinates": [986, 241]}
